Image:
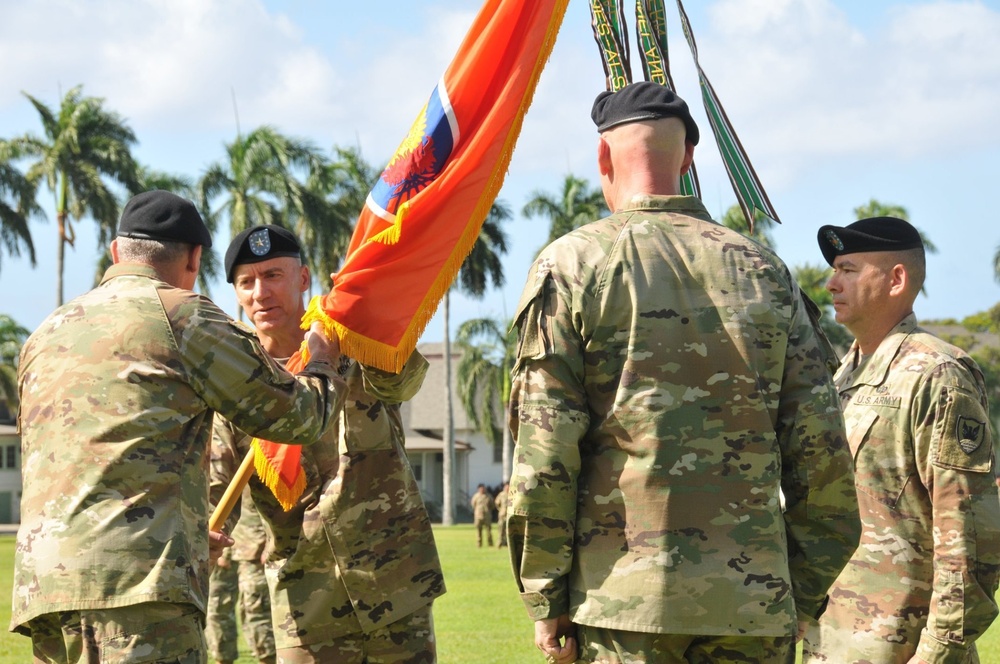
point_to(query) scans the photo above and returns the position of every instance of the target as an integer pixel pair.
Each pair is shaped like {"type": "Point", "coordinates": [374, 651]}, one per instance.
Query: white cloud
{"type": "Point", "coordinates": [172, 63]}
{"type": "Point", "coordinates": [810, 84]}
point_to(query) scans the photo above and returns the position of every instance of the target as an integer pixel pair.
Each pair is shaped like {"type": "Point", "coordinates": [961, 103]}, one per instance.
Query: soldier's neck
{"type": "Point", "coordinates": [281, 344]}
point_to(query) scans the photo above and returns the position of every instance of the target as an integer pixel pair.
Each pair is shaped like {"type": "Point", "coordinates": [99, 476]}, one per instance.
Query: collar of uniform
{"type": "Point", "coordinates": [877, 367]}
{"type": "Point", "coordinates": [689, 205]}
{"type": "Point", "coordinates": [129, 269]}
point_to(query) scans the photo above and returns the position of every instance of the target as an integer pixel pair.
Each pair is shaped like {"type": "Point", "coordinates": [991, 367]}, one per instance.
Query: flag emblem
{"type": "Point", "coordinates": [419, 158]}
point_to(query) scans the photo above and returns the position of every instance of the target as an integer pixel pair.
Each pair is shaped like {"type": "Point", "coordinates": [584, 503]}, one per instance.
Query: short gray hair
{"type": "Point", "coordinates": [151, 252]}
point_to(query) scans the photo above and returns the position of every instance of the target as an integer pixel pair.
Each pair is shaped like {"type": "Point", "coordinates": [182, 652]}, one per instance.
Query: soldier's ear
{"type": "Point", "coordinates": [899, 279]}
{"type": "Point", "coordinates": [603, 156]}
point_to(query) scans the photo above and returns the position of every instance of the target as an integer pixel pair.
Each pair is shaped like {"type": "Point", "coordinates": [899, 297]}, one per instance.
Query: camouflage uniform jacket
{"type": "Point", "coordinates": [924, 577]}
{"type": "Point", "coordinates": [482, 506]}
{"type": "Point", "coordinates": [357, 553]}
{"type": "Point", "coordinates": [667, 383]}
{"type": "Point", "coordinates": [117, 389]}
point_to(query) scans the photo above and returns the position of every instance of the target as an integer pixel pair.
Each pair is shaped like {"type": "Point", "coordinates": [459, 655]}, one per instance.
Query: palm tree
{"type": "Point", "coordinates": [482, 265]}
{"type": "Point", "coordinates": [17, 204]}
{"type": "Point", "coordinates": [489, 348]}
{"type": "Point", "coordinates": [735, 219]}
{"type": "Point", "coordinates": [996, 264]}
{"type": "Point", "coordinates": [12, 337]}
{"type": "Point", "coordinates": [83, 145]}
{"type": "Point", "coordinates": [577, 205]}
{"type": "Point", "coordinates": [260, 184]}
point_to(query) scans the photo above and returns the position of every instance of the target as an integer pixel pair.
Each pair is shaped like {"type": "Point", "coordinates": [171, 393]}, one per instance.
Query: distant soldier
{"type": "Point", "coordinates": [118, 388]}
{"type": "Point", "coordinates": [921, 586]}
{"type": "Point", "coordinates": [668, 386]}
{"type": "Point", "coordinates": [482, 514]}
{"type": "Point", "coordinates": [501, 502]}
{"type": "Point", "coordinates": [238, 585]}
{"type": "Point", "coordinates": [354, 569]}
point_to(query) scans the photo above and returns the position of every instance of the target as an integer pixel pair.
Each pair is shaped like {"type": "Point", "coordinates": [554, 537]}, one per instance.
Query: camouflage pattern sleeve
{"type": "Point", "coordinates": [396, 388]}
{"type": "Point", "coordinates": [548, 417]}
{"type": "Point", "coordinates": [821, 509]}
{"type": "Point", "coordinates": [241, 381]}
{"type": "Point", "coordinates": [954, 448]}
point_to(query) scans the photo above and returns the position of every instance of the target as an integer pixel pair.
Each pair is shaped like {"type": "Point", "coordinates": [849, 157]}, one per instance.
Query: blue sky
{"type": "Point", "coordinates": [836, 101]}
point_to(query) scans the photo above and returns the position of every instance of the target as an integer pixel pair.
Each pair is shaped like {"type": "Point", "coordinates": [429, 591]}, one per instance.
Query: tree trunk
{"type": "Point", "coordinates": [448, 434]}
{"type": "Point", "coordinates": [60, 256]}
{"type": "Point", "coordinates": [62, 220]}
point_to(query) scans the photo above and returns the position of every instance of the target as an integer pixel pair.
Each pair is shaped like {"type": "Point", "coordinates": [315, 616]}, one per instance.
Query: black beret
{"type": "Point", "coordinates": [872, 234]}
{"type": "Point", "coordinates": [160, 215]}
{"type": "Point", "coordinates": [641, 101]}
{"type": "Point", "coordinates": [260, 243]}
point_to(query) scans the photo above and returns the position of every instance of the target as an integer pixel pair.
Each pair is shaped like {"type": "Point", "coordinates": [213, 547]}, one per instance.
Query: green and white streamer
{"type": "Point", "coordinates": [608, 22]}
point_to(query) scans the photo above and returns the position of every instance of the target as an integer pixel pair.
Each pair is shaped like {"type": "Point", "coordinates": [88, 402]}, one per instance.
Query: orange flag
{"type": "Point", "coordinates": [424, 214]}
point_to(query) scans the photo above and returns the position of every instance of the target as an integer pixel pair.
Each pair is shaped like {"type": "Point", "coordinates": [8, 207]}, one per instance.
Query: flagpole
{"type": "Point", "coordinates": [233, 493]}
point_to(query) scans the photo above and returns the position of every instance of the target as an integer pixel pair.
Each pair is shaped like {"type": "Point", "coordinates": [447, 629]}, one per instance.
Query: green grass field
{"type": "Point", "coordinates": [480, 620]}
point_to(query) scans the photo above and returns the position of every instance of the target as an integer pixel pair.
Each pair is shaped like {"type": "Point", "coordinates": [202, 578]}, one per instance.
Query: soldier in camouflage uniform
{"type": "Point", "coordinates": [353, 567]}
{"type": "Point", "coordinates": [238, 583]}
{"type": "Point", "coordinates": [921, 586]}
{"type": "Point", "coordinates": [118, 389]}
{"type": "Point", "coordinates": [668, 386]}
{"type": "Point", "coordinates": [482, 514]}
{"type": "Point", "coordinates": [501, 501]}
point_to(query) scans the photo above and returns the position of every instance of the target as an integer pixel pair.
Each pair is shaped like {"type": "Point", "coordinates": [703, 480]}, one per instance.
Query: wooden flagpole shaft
{"type": "Point", "coordinates": [233, 493]}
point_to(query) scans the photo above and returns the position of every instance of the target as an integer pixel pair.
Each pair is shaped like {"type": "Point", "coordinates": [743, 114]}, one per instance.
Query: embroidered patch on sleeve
{"type": "Point", "coordinates": [963, 434]}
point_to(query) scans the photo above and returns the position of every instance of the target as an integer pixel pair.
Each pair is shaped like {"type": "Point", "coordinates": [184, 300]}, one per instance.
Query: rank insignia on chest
{"type": "Point", "coordinates": [970, 434]}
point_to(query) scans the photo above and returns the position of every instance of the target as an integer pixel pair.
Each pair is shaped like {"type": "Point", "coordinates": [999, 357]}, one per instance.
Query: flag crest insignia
{"type": "Point", "coordinates": [420, 157]}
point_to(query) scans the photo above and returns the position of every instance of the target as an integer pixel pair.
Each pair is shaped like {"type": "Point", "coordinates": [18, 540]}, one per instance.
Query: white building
{"type": "Point", "coordinates": [10, 474]}
{"type": "Point", "coordinates": [476, 461]}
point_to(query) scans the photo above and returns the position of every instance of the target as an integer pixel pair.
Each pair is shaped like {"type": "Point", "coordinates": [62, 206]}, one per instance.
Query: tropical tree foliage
{"type": "Point", "coordinates": [12, 337]}
{"type": "Point", "coordinates": [17, 206]}
{"type": "Point", "coordinates": [84, 151]}
{"type": "Point", "coordinates": [577, 204]}
{"type": "Point", "coordinates": [489, 348]}
{"type": "Point", "coordinates": [996, 264]}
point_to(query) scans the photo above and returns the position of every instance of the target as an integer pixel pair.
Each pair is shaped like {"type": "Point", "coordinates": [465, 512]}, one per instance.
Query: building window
{"type": "Point", "coordinates": [418, 472]}
{"type": "Point", "coordinates": [11, 457]}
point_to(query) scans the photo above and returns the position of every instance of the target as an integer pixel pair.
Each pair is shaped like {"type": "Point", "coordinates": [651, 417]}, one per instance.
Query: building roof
{"type": "Point", "coordinates": [416, 442]}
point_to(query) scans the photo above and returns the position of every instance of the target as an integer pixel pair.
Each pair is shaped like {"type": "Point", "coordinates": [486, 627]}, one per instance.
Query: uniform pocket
{"type": "Point", "coordinates": [949, 610]}
{"type": "Point", "coordinates": [533, 338]}
{"type": "Point", "coordinates": [883, 461]}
